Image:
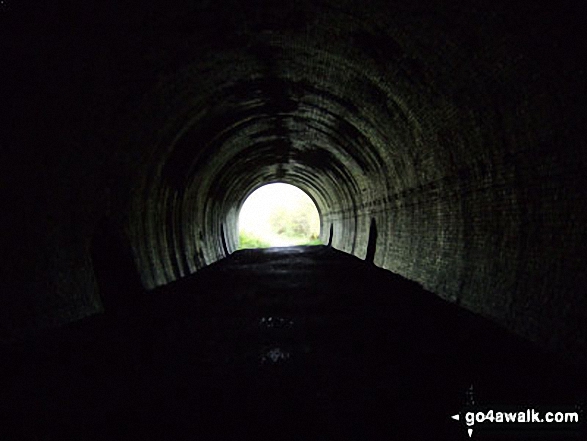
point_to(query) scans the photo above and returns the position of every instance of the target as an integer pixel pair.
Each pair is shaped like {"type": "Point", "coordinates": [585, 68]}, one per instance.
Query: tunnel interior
{"type": "Point", "coordinates": [443, 143]}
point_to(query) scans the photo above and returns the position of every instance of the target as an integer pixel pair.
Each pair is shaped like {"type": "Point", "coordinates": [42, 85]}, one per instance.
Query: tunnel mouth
{"type": "Point", "coordinates": [278, 215]}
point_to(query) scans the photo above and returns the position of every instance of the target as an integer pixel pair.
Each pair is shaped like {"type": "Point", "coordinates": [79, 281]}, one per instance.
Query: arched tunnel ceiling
{"type": "Point", "coordinates": [330, 99]}
{"type": "Point", "coordinates": [328, 96]}
{"type": "Point", "coordinates": [458, 128]}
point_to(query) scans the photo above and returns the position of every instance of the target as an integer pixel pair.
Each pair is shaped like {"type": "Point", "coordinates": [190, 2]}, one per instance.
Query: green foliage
{"type": "Point", "coordinates": [313, 242]}
{"type": "Point", "coordinates": [246, 240]}
{"type": "Point", "coordinates": [285, 226]}
{"type": "Point", "coordinates": [291, 223]}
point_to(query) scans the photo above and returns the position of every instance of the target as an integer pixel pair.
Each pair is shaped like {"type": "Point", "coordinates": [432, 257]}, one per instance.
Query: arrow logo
{"type": "Point", "coordinates": [457, 418]}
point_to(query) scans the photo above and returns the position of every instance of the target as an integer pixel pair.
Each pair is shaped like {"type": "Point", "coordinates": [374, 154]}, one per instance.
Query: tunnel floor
{"type": "Point", "coordinates": [304, 343]}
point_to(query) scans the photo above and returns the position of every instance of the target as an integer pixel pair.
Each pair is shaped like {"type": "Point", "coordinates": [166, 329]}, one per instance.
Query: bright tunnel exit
{"type": "Point", "coordinates": [278, 215]}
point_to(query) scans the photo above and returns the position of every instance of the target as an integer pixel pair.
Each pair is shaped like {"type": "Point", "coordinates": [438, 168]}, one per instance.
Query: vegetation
{"type": "Point", "coordinates": [280, 222]}
{"type": "Point", "coordinates": [247, 240]}
{"type": "Point", "coordinates": [284, 223]}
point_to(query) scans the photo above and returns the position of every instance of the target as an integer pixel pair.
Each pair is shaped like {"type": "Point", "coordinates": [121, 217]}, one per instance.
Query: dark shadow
{"type": "Point", "coordinates": [272, 340]}
{"type": "Point", "coordinates": [330, 236]}
{"type": "Point", "coordinates": [223, 236]}
{"type": "Point", "coordinates": [372, 244]}
{"type": "Point", "coordinates": [119, 283]}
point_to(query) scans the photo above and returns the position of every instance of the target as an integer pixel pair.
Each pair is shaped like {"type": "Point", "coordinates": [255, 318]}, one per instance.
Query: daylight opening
{"type": "Point", "coordinates": [278, 215]}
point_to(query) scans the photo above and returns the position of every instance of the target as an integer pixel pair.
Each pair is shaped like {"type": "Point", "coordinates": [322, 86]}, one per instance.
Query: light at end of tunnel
{"type": "Point", "coordinates": [278, 215]}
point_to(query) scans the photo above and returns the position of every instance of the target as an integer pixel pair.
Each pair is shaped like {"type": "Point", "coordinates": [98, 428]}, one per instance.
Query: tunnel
{"type": "Point", "coordinates": [442, 143]}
